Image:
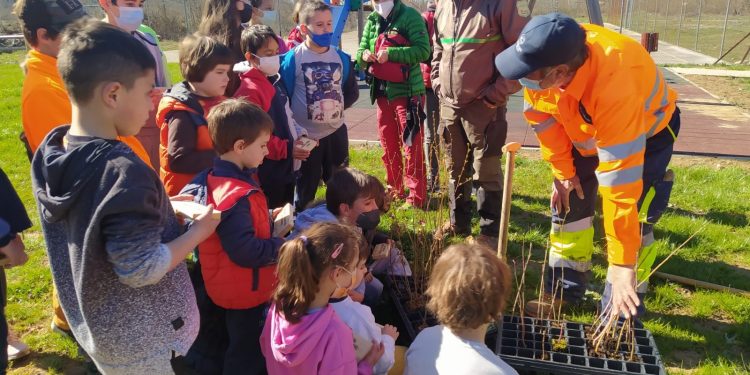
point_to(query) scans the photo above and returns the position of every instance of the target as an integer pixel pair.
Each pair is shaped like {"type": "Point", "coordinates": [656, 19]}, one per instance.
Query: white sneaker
{"type": "Point", "coordinates": [17, 350]}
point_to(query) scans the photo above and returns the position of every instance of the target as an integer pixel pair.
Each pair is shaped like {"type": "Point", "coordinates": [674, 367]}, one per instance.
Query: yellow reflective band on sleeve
{"type": "Point", "coordinates": [572, 249]}
{"type": "Point", "coordinates": [646, 257]}
{"type": "Point", "coordinates": [643, 213]}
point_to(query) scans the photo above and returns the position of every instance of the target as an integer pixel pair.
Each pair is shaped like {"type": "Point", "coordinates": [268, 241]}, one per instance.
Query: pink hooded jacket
{"type": "Point", "coordinates": [319, 344]}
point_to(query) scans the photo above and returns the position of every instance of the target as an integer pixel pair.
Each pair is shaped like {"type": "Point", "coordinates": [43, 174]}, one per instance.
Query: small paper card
{"type": "Point", "coordinates": [192, 210]}
{"type": "Point", "coordinates": [284, 221]}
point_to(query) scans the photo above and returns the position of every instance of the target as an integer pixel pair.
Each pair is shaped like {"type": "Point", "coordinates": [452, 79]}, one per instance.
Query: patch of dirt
{"type": "Point", "coordinates": [733, 90]}
{"type": "Point", "coordinates": [689, 358]}
{"type": "Point", "coordinates": [714, 162]}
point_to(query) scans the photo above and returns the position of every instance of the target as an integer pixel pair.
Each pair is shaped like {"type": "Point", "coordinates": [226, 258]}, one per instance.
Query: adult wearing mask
{"type": "Point", "coordinates": [393, 44]}
{"type": "Point", "coordinates": [265, 13]}
{"type": "Point", "coordinates": [128, 15]}
{"type": "Point", "coordinates": [222, 20]}
{"type": "Point", "coordinates": [468, 36]}
{"type": "Point", "coordinates": [606, 121]}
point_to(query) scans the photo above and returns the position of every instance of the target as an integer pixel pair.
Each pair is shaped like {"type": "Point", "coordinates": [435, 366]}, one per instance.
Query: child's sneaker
{"type": "Point", "coordinates": [17, 349]}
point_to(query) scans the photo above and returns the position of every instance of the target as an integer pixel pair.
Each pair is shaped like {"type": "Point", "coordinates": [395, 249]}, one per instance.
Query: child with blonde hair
{"type": "Point", "coordinates": [303, 334]}
{"type": "Point", "coordinates": [467, 290]}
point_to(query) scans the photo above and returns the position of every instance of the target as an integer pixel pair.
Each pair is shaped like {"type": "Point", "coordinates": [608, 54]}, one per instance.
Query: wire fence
{"type": "Point", "coordinates": [711, 27]}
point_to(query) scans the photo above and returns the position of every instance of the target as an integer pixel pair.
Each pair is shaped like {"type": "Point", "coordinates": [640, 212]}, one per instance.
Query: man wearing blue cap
{"type": "Point", "coordinates": [468, 36]}
{"type": "Point", "coordinates": [606, 120]}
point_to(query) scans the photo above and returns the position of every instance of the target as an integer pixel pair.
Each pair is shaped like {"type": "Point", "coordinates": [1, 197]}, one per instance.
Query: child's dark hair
{"type": "Point", "coordinates": [200, 55]}
{"type": "Point", "coordinates": [346, 186]}
{"type": "Point", "coordinates": [33, 15]}
{"type": "Point", "coordinates": [381, 198]}
{"type": "Point", "coordinates": [303, 260]}
{"type": "Point", "coordinates": [255, 37]}
{"type": "Point", "coordinates": [93, 52]}
{"type": "Point", "coordinates": [308, 9]}
{"type": "Point", "coordinates": [235, 119]}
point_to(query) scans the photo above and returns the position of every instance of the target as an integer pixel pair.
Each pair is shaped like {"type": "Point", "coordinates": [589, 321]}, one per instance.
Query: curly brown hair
{"type": "Point", "coordinates": [468, 286]}
{"type": "Point", "coordinates": [304, 260]}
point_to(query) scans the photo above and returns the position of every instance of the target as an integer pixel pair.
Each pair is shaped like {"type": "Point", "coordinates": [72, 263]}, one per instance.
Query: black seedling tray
{"type": "Point", "coordinates": [413, 320]}
{"type": "Point", "coordinates": [527, 344]}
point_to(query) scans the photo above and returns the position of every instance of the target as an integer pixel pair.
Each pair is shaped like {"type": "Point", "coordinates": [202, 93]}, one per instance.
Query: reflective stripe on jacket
{"type": "Point", "coordinates": [616, 100]}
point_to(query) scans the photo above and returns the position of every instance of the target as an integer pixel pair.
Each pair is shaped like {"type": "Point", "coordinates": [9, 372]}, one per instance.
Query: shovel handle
{"type": "Point", "coordinates": [502, 244]}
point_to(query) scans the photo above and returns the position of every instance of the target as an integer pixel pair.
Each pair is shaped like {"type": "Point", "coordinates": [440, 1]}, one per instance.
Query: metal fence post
{"type": "Point", "coordinates": [185, 12]}
{"type": "Point", "coordinates": [698, 29]}
{"type": "Point", "coordinates": [595, 12]}
{"type": "Point", "coordinates": [643, 16]}
{"type": "Point", "coordinates": [724, 31]}
{"type": "Point", "coordinates": [656, 13]}
{"type": "Point", "coordinates": [682, 16]}
{"type": "Point", "coordinates": [666, 20]}
{"type": "Point", "coordinates": [622, 14]}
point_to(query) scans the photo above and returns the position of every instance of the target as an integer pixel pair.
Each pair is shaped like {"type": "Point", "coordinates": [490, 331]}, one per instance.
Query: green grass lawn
{"type": "Point", "coordinates": [697, 331]}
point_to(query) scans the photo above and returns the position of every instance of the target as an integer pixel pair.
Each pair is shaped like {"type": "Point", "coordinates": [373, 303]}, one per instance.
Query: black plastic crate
{"type": "Point", "coordinates": [541, 346]}
{"type": "Point", "coordinates": [413, 320]}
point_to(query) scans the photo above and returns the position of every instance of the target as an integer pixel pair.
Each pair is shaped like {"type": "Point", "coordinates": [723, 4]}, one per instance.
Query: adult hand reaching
{"type": "Point", "coordinates": [624, 298]}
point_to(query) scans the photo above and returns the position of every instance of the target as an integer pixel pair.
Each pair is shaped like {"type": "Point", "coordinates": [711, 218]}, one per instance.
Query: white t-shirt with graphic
{"type": "Point", "coordinates": [318, 100]}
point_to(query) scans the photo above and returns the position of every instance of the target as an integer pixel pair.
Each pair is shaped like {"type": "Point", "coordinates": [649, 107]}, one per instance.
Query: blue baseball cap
{"type": "Point", "coordinates": [547, 40]}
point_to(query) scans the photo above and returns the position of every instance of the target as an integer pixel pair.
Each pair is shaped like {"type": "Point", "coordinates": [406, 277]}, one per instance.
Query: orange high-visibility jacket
{"type": "Point", "coordinates": [616, 100]}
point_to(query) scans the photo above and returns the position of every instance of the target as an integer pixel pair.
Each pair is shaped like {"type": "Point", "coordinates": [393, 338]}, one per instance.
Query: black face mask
{"type": "Point", "coordinates": [369, 220]}
{"type": "Point", "coordinates": [246, 13]}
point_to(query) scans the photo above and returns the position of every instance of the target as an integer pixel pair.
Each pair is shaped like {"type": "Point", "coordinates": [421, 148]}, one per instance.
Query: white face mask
{"type": "Point", "coordinates": [130, 18]}
{"type": "Point", "coordinates": [269, 65]}
{"type": "Point", "coordinates": [384, 8]}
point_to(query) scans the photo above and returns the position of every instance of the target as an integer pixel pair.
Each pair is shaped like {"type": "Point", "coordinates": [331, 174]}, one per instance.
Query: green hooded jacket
{"type": "Point", "coordinates": [407, 22]}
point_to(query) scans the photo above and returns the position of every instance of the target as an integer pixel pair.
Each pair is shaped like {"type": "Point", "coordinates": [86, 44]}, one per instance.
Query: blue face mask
{"type": "Point", "coordinates": [270, 17]}
{"type": "Point", "coordinates": [530, 84]}
{"type": "Point", "coordinates": [323, 40]}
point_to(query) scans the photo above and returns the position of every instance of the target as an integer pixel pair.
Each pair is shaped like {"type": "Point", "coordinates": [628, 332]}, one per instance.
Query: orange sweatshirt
{"type": "Point", "coordinates": [45, 104]}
